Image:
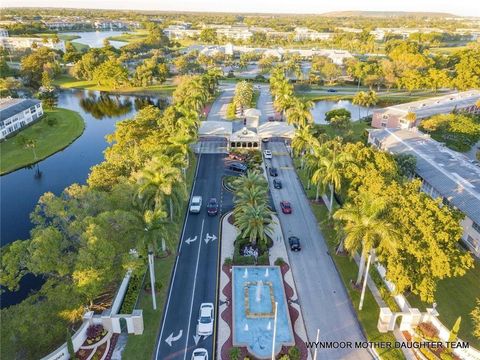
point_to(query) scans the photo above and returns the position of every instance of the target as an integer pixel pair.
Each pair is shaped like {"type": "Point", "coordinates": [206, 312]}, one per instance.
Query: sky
{"type": "Point", "coordinates": [458, 7]}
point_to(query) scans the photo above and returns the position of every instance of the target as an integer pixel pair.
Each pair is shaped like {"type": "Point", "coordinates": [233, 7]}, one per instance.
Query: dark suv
{"type": "Point", "coordinates": [277, 184]}
{"type": "Point", "coordinates": [238, 167]}
{"type": "Point", "coordinates": [294, 243]}
{"type": "Point", "coordinates": [273, 171]}
{"type": "Point", "coordinates": [212, 207]}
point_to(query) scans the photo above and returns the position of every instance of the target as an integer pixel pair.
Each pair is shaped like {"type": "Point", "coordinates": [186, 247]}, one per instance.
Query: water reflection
{"type": "Point", "coordinates": [141, 102]}
{"type": "Point", "coordinates": [103, 105]}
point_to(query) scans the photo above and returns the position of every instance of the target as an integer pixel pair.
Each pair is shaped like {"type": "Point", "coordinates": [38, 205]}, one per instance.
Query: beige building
{"type": "Point", "coordinates": [444, 173]}
{"type": "Point", "coordinates": [17, 43]}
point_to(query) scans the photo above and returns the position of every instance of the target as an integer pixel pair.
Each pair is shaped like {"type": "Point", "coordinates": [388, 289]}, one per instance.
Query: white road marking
{"type": "Point", "coordinates": [193, 290]}
{"type": "Point", "coordinates": [190, 240]}
{"type": "Point", "coordinates": [209, 238]}
{"type": "Point", "coordinates": [172, 338]}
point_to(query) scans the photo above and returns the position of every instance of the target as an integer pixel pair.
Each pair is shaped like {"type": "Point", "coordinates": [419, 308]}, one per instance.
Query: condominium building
{"type": "Point", "coordinates": [396, 116]}
{"type": "Point", "coordinates": [302, 34]}
{"type": "Point", "coordinates": [15, 43]}
{"type": "Point", "coordinates": [3, 32]}
{"type": "Point", "coordinates": [444, 173]}
{"type": "Point", "coordinates": [15, 114]}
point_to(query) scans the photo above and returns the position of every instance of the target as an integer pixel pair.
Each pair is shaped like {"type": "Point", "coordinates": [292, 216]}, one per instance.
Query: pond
{"type": "Point", "coordinates": [21, 189]}
{"type": "Point", "coordinates": [94, 39]}
{"type": "Point", "coordinates": [321, 107]}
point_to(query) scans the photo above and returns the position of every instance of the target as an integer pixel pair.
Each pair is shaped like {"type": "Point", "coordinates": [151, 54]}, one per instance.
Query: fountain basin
{"type": "Point", "coordinates": [255, 291]}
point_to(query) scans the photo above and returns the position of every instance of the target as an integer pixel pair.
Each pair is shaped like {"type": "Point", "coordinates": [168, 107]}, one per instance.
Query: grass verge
{"type": "Point", "coordinates": [141, 347]}
{"type": "Point", "coordinates": [57, 129]}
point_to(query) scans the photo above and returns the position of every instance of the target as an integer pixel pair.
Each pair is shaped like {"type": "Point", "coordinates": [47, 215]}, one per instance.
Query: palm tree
{"type": "Point", "coordinates": [302, 141]}
{"type": "Point", "coordinates": [299, 112]}
{"type": "Point", "coordinates": [366, 229]}
{"type": "Point", "coordinates": [254, 223]}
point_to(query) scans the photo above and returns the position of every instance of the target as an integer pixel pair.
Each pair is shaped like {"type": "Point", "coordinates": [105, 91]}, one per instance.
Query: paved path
{"type": "Point", "coordinates": [219, 106]}
{"type": "Point", "coordinates": [322, 295]}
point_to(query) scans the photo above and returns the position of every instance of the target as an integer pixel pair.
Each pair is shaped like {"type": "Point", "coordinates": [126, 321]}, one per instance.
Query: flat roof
{"type": "Point", "coordinates": [449, 172]}
{"type": "Point", "coordinates": [10, 107]}
{"type": "Point", "coordinates": [435, 105]}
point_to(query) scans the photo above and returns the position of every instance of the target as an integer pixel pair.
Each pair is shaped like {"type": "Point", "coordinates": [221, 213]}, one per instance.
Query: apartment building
{"type": "Point", "coordinates": [396, 116]}
{"type": "Point", "coordinates": [11, 43]}
{"type": "Point", "coordinates": [444, 173]}
{"type": "Point", "coordinates": [15, 114]}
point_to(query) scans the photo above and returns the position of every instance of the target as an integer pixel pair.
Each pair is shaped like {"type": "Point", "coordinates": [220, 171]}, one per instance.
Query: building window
{"type": "Point", "coordinates": [383, 124]}
{"type": "Point", "coordinates": [472, 242]}
{"type": "Point", "coordinates": [476, 227]}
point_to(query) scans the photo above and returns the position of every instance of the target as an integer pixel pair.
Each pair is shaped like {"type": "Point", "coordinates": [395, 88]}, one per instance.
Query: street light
{"type": "Point", "coordinates": [316, 345]}
{"type": "Point", "coordinates": [274, 331]}
{"type": "Point", "coordinates": [152, 278]}
{"type": "Point", "coordinates": [365, 281]}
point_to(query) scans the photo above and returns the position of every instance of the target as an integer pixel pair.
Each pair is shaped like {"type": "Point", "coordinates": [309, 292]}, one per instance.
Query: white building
{"type": "Point", "coordinates": [3, 32]}
{"type": "Point", "coordinates": [444, 173]}
{"type": "Point", "coordinates": [302, 34]}
{"type": "Point", "coordinates": [15, 114]}
{"type": "Point", "coordinates": [180, 32]}
{"type": "Point", "coordinates": [15, 43]}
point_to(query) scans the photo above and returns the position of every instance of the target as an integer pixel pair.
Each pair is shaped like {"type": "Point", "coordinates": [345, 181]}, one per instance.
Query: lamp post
{"type": "Point", "coordinates": [274, 331]}
{"type": "Point", "coordinates": [152, 278]}
{"type": "Point", "coordinates": [316, 345]}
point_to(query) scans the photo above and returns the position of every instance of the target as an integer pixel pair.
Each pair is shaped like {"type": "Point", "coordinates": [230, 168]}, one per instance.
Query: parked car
{"type": "Point", "coordinates": [265, 140]}
{"type": "Point", "coordinates": [271, 118]}
{"type": "Point", "coordinates": [212, 207]}
{"type": "Point", "coordinates": [332, 90]}
{"type": "Point", "coordinates": [273, 171]}
{"type": "Point", "coordinates": [205, 320]}
{"type": "Point", "coordinates": [267, 154]}
{"type": "Point", "coordinates": [277, 184]}
{"type": "Point", "coordinates": [238, 167]}
{"type": "Point", "coordinates": [200, 354]}
{"type": "Point", "coordinates": [286, 207]}
{"type": "Point", "coordinates": [196, 204]}
{"type": "Point", "coordinates": [294, 243]}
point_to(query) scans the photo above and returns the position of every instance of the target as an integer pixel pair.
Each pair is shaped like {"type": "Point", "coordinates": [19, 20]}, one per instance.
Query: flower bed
{"type": "Point", "coordinates": [95, 333]}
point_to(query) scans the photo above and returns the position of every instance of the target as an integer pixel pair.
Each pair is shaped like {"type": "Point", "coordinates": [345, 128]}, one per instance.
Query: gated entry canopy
{"type": "Point", "coordinates": [276, 129]}
{"type": "Point", "coordinates": [215, 128]}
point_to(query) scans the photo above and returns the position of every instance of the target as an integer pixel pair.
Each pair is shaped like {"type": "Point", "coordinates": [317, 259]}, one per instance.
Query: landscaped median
{"type": "Point", "coordinates": [57, 129]}
{"type": "Point", "coordinates": [142, 347]}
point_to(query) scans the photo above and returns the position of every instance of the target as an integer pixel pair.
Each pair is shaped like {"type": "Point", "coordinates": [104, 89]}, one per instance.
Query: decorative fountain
{"type": "Point", "coordinates": [254, 299]}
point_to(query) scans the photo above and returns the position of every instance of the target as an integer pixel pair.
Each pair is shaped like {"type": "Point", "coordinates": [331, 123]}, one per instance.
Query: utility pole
{"type": "Point", "coordinates": [152, 278]}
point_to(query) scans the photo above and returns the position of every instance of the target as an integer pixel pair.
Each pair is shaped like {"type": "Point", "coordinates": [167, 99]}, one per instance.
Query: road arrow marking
{"type": "Point", "coordinates": [209, 238]}
{"type": "Point", "coordinates": [172, 338]}
{"type": "Point", "coordinates": [205, 336]}
{"type": "Point", "coordinates": [190, 240]}
{"type": "Point", "coordinates": [196, 338]}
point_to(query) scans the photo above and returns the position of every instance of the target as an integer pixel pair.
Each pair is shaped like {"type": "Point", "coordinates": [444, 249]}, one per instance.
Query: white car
{"type": "Point", "coordinates": [267, 154]}
{"type": "Point", "coordinates": [196, 204]}
{"type": "Point", "coordinates": [200, 354]}
{"type": "Point", "coordinates": [205, 320]}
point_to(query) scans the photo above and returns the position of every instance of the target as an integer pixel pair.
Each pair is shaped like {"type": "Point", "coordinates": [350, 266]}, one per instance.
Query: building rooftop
{"type": "Point", "coordinates": [436, 105]}
{"type": "Point", "coordinates": [449, 172]}
{"type": "Point", "coordinates": [10, 107]}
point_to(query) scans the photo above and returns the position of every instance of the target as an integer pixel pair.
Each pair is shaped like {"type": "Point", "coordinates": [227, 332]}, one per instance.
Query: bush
{"type": "Point", "coordinates": [158, 286]}
{"type": "Point", "coordinates": [231, 112]}
{"type": "Point", "coordinates": [279, 261]}
{"type": "Point", "coordinates": [260, 78]}
{"type": "Point", "coordinates": [131, 295]}
{"type": "Point", "coordinates": [234, 353]}
{"type": "Point", "coordinates": [427, 330]}
{"type": "Point", "coordinates": [228, 261]}
{"type": "Point", "coordinates": [263, 259]}
{"type": "Point", "coordinates": [294, 353]}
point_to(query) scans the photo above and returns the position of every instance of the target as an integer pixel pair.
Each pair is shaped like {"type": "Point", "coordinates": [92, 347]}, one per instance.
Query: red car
{"type": "Point", "coordinates": [286, 207]}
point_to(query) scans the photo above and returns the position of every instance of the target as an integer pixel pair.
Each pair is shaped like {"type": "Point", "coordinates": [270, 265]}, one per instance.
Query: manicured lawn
{"type": "Point", "coordinates": [80, 47]}
{"type": "Point", "coordinates": [66, 126]}
{"type": "Point", "coordinates": [68, 82]}
{"type": "Point", "coordinates": [141, 347]}
{"type": "Point", "coordinates": [456, 297]}
{"type": "Point", "coordinates": [130, 36]}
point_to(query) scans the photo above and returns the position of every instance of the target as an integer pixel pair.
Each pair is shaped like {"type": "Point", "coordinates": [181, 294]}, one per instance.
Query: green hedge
{"type": "Point", "coordinates": [134, 286]}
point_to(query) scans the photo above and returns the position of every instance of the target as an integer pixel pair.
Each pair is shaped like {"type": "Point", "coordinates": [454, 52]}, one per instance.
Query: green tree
{"type": "Point", "coordinates": [299, 112]}
{"type": "Point", "coordinates": [35, 64]}
{"type": "Point", "coordinates": [111, 74]}
{"type": "Point", "coordinates": [208, 35]}
{"type": "Point", "coordinates": [475, 314]}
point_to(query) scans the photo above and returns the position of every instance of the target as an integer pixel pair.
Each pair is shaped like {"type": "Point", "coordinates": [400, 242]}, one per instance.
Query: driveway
{"type": "Point", "coordinates": [219, 106]}
{"type": "Point", "coordinates": [322, 295]}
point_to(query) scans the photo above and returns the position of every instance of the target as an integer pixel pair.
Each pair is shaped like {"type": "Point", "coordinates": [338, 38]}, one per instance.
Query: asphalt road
{"type": "Point", "coordinates": [194, 279]}
{"type": "Point", "coordinates": [219, 106]}
{"type": "Point", "coordinates": [322, 296]}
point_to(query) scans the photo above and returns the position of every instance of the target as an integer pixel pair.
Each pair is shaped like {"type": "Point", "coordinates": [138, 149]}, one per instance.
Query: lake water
{"type": "Point", "coordinates": [21, 189]}
{"type": "Point", "coordinates": [94, 39]}
{"type": "Point", "coordinates": [321, 107]}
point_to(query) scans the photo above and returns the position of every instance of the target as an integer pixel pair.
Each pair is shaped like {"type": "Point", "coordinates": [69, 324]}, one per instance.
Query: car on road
{"type": "Point", "coordinates": [200, 354]}
{"type": "Point", "coordinates": [205, 320]}
{"type": "Point", "coordinates": [238, 167]}
{"type": "Point", "coordinates": [271, 118]}
{"type": "Point", "coordinates": [265, 140]}
{"type": "Point", "coordinates": [196, 204]}
{"type": "Point", "coordinates": [277, 184]}
{"type": "Point", "coordinates": [286, 207]}
{"type": "Point", "coordinates": [273, 171]}
{"type": "Point", "coordinates": [294, 243]}
{"type": "Point", "coordinates": [212, 207]}
{"type": "Point", "coordinates": [332, 90]}
{"type": "Point", "coordinates": [267, 154]}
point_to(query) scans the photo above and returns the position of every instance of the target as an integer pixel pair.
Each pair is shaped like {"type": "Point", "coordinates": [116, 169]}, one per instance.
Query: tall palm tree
{"type": "Point", "coordinates": [254, 223]}
{"type": "Point", "coordinates": [302, 141]}
{"type": "Point", "coordinates": [360, 99]}
{"type": "Point", "coordinates": [365, 228]}
{"type": "Point", "coordinates": [299, 112]}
